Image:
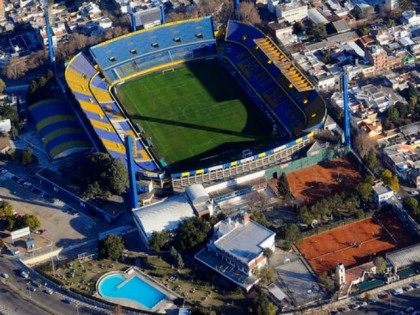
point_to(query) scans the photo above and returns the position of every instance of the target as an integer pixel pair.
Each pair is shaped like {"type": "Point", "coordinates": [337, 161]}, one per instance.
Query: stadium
{"type": "Point", "coordinates": [199, 109]}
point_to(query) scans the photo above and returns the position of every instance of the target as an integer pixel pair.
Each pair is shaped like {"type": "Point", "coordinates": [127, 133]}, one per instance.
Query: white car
{"type": "Point", "coordinates": [397, 291]}
{"type": "Point", "coordinates": [24, 274]}
{"type": "Point", "coordinates": [4, 275]}
{"type": "Point", "coordinates": [49, 291]}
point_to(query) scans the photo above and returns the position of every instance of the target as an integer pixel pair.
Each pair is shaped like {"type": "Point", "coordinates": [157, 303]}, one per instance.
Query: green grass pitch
{"type": "Point", "coordinates": [195, 115]}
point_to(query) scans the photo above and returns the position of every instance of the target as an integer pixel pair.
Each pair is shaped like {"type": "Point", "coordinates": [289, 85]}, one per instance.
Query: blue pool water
{"type": "Point", "coordinates": [134, 289]}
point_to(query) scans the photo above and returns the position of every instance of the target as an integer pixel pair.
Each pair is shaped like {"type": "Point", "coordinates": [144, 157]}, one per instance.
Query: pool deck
{"type": "Point", "coordinates": [165, 304]}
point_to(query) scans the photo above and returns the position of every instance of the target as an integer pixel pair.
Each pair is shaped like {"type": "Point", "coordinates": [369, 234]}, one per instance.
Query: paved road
{"type": "Point", "coordinates": [394, 305]}
{"type": "Point", "coordinates": [12, 303]}
{"type": "Point", "coordinates": [18, 296]}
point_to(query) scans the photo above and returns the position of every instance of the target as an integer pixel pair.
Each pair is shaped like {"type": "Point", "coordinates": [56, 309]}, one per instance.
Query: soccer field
{"type": "Point", "coordinates": [195, 115]}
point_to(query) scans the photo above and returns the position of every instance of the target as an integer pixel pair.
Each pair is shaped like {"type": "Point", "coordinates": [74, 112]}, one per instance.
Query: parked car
{"type": "Point", "coordinates": [414, 192]}
{"type": "Point", "coordinates": [31, 288]}
{"type": "Point", "coordinates": [49, 291]}
{"type": "Point", "coordinates": [397, 291]}
{"type": "Point", "coordinates": [24, 274]}
{"type": "Point", "coordinates": [67, 301]}
{"type": "Point", "coordinates": [4, 275]}
{"type": "Point", "coordinates": [408, 288]}
{"type": "Point", "coordinates": [36, 284]}
{"type": "Point", "coordinates": [409, 309]}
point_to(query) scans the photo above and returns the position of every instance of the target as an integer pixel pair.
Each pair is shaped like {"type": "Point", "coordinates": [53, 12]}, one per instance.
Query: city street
{"type": "Point", "coordinates": [16, 299]}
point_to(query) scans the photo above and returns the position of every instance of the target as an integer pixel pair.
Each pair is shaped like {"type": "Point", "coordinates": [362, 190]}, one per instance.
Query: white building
{"type": "Point", "coordinates": [382, 193]}
{"type": "Point", "coordinates": [291, 12]}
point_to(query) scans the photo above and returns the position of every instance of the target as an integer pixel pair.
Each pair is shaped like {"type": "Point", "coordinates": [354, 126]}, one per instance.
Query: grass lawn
{"type": "Point", "coordinates": [82, 276]}
{"type": "Point", "coordinates": [195, 115]}
{"type": "Point", "coordinates": [197, 288]}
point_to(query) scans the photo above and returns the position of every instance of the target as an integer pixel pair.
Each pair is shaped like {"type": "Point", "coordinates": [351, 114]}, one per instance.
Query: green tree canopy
{"type": "Point", "coordinates": [6, 210]}
{"type": "Point", "coordinates": [317, 31]}
{"type": "Point", "coordinates": [370, 160]}
{"type": "Point", "coordinates": [111, 247]}
{"type": "Point", "coordinates": [291, 233]}
{"type": "Point", "coordinates": [380, 264]}
{"type": "Point", "coordinates": [259, 217]}
{"type": "Point", "coordinates": [263, 306]}
{"type": "Point", "coordinates": [159, 240]}
{"type": "Point", "coordinates": [191, 234]}
{"type": "Point", "coordinates": [103, 175]}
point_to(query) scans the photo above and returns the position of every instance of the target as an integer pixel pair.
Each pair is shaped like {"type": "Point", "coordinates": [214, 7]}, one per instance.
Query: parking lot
{"type": "Point", "coordinates": [404, 301]}
{"type": "Point", "coordinates": [62, 225]}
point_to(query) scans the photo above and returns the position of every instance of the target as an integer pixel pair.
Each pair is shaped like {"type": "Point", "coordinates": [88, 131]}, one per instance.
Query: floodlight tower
{"type": "Point", "coordinates": [51, 54]}
{"type": "Point", "coordinates": [134, 199]}
{"type": "Point", "coordinates": [345, 81]}
{"type": "Point", "coordinates": [132, 17]}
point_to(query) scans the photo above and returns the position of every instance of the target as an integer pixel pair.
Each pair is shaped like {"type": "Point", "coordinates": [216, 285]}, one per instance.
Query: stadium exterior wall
{"type": "Point", "coordinates": [241, 167]}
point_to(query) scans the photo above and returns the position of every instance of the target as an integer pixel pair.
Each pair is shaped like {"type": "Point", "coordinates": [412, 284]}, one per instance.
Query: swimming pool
{"type": "Point", "coordinates": [117, 286]}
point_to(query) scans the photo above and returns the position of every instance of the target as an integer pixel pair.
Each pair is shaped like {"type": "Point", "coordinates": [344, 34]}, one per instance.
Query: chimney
{"type": "Point", "coordinates": [246, 218]}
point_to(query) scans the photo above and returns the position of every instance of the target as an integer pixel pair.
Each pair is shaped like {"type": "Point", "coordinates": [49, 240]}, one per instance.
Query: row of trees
{"type": "Point", "coordinates": [401, 114]}
{"type": "Point", "coordinates": [220, 10]}
{"type": "Point", "coordinates": [98, 175]}
{"type": "Point", "coordinates": [338, 205]}
{"type": "Point", "coordinates": [412, 205]}
{"type": "Point", "coordinates": [191, 234]}
{"type": "Point", "coordinates": [14, 221]}
{"type": "Point", "coordinates": [19, 66]}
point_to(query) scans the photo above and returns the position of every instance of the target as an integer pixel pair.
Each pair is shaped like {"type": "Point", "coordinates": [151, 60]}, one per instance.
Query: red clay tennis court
{"type": "Point", "coordinates": [324, 179]}
{"type": "Point", "coordinates": [355, 243]}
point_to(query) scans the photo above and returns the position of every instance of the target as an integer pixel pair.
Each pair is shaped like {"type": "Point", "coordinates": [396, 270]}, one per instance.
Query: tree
{"type": "Point", "coordinates": [267, 275]}
{"type": "Point", "coordinates": [363, 31]}
{"type": "Point", "coordinates": [30, 221]}
{"type": "Point", "coordinates": [317, 31]}
{"type": "Point", "coordinates": [6, 210]}
{"type": "Point", "coordinates": [365, 191]}
{"type": "Point", "coordinates": [159, 240]}
{"type": "Point", "coordinates": [298, 28]}
{"type": "Point", "coordinates": [191, 233]}
{"type": "Point", "coordinates": [380, 265]}
{"type": "Point", "coordinates": [267, 252]}
{"type": "Point", "coordinates": [291, 233]}
{"type": "Point", "coordinates": [2, 86]}
{"type": "Point", "coordinates": [412, 205]}
{"type": "Point", "coordinates": [386, 176]}
{"type": "Point", "coordinates": [111, 247]}
{"type": "Point", "coordinates": [263, 306]}
{"type": "Point", "coordinates": [179, 261]}
{"type": "Point", "coordinates": [393, 114]}
{"type": "Point", "coordinates": [327, 282]}
{"type": "Point", "coordinates": [394, 184]}
{"type": "Point", "coordinates": [102, 175]}
{"type": "Point", "coordinates": [27, 157]}
{"type": "Point", "coordinates": [364, 144]}
{"type": "Point", "coordinates": [248, 13]}
{"type": "Point", "coordinates": [360, 214]}
{"type": "Point", "coordinates": [370, 160]}
{"type": "Point", "coordinates": [259, 217]}
{"type": "Point", "coordinates": [284, 187]}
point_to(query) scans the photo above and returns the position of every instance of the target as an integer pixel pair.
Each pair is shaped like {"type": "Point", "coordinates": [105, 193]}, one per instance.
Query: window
{"type": "Point", "coordinates": [133, 51]}
{"type": "Point", "coordinates": [155, 45]}
{"type": "Point", "coordinates": [177, 39]}
{"type": "Point", "coordinates": [112, 59]}
{"type": "Point", "coordinates": [199, 35]}
{"type": "Point", "coordinates": [84, 76]}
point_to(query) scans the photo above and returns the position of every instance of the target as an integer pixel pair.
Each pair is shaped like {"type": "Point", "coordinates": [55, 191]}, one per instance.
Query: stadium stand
{"type": "Point", "coordinates": [58, 128]}
{"type": "Point", "coordinates": [283, 86]}
{"type": "Point", "coordinates": [148, 48]}
{"type": "Point", "coordinates": [92, 93]}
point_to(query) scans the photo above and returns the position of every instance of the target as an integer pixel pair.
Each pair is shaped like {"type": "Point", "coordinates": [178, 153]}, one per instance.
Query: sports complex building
{"type": "Point", "coordinates": [200, 109]}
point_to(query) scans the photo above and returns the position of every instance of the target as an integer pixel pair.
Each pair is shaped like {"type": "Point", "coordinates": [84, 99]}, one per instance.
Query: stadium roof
{"type": "Point", "coordinates": [164, 215]}
{"type": "Point", "coordinates": [405, 257]}
{"type": "Point", "coordinates": [244, 240]}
